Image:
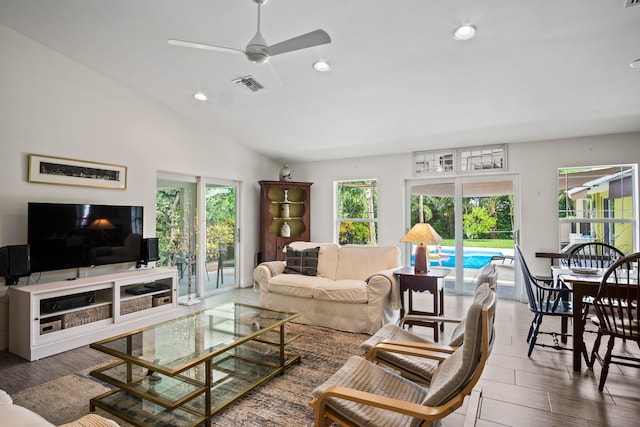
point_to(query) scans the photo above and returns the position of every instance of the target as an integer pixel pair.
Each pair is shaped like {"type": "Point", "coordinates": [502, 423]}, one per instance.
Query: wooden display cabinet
{"type": "Point", "coordinates": [276, 198]}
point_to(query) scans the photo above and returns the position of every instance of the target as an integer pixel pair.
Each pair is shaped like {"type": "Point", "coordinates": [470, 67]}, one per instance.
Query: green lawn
{"type": "Point", "coordinates": [481, 243]}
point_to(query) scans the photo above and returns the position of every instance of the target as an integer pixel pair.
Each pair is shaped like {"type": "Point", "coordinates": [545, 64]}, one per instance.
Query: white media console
{"type": "Point", "coordinates": [49, 318]}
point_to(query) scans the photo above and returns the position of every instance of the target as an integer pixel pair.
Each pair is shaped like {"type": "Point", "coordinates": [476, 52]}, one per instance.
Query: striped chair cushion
{"type": "Point", "coordinates": [360, 374]}
{"type": "Point", "coordinates": [423, 368]}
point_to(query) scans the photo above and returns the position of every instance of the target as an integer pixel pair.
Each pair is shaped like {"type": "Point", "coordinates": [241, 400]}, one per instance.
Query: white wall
{"type": "Point", "coordinates": [50, 105]}
{"type": "Point", "coordinates": [536, 163]}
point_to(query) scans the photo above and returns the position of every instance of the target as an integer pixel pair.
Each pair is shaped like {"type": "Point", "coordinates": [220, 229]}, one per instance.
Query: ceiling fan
{"type": "Point", "coordinates": [257, 51]}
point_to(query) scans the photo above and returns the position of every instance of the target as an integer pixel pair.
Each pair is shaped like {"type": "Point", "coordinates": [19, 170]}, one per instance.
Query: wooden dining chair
{"type": "Point", "coordinates": [545, 299]}
{"type": "Point", "coordinates": [592, 255]}
{"type": "Point", "coordinates": [617, 314]}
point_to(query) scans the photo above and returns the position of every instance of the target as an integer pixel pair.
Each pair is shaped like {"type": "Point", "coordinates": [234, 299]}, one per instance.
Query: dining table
{"type": "Point", "coordinates": [582, 283]}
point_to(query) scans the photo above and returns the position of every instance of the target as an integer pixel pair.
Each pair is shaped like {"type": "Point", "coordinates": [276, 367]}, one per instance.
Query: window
{"type": "Point", "coordinates": [597, 204]}
{"type": "Point", "coordinates": [357, 212]}
{"type": "Point", "coordinates": [432, 162]}
{"type": "Point", "coordinates": [462, 160]}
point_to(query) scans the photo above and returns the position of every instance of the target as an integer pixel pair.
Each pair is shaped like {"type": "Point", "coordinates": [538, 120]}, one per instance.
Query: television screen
{"type": "Point", "coordinates": [74, 235]}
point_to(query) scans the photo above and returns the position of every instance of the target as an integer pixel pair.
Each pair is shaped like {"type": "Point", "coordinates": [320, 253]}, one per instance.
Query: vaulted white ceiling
{"type": "Point", "coordinates": [536, 70]}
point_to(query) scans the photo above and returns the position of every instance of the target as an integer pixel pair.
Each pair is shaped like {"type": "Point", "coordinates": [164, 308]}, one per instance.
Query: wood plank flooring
{"type": "Point", "coordinates": [516, 390]}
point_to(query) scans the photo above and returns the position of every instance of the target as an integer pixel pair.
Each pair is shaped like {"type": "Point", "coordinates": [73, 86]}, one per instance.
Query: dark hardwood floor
{"type": "Point", "coordinates": [516, 390]}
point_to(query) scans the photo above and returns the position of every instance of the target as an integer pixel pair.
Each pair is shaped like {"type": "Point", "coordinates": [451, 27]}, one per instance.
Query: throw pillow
{"type": "Point", "coordinates": [302, 262]}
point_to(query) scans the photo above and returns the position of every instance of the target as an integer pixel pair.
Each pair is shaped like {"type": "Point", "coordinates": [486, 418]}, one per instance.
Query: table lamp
{"type": "Point", "coordinates": [422, 234]}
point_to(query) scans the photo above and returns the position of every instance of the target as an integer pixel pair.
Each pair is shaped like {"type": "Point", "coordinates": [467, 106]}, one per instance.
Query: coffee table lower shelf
{"type": "Point", "coordinates": [138, 411]}
{"type": "Point", "coordinates": [164, 378]}
{"type": "Point", "coordinates": [233, 376]}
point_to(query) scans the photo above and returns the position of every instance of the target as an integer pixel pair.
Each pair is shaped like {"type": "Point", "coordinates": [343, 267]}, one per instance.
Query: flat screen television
{"type": "Point", "coordinates": [64, 235]}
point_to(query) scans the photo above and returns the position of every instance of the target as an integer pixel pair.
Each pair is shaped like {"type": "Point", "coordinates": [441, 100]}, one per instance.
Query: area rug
{"type": "Point", "coordinates": [281, 401]}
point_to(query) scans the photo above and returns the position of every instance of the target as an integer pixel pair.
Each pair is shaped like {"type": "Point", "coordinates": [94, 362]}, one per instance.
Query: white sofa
{"type": "Point", "coordinates": [14, 415]}
{"type": "Point", "coordinates": [354, 289]}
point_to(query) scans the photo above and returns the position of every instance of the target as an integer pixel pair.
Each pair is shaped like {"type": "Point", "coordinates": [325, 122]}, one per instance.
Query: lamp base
{"type": "Point", "coordinates": [421, 264]}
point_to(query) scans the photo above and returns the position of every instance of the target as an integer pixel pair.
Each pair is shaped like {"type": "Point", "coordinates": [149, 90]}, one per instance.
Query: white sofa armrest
{"type": "Point", "coordinates": [265, 271]}
{"type": "Point", "coordinates": [385, 281]}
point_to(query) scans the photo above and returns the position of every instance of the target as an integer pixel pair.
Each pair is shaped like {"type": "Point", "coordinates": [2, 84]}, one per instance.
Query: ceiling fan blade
{"type": "Point", "coordinates": [304, 41]}
{"type": "Point", "coordinates": [204, 46]}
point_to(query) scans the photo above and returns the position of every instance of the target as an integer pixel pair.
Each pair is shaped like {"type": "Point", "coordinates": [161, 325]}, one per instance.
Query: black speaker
{"type": "Point", "coordinates": [149, 250]}
{"type": "Point", "coordinates": [15, 262]}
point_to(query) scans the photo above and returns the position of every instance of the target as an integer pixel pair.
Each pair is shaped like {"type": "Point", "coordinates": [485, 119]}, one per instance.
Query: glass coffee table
{"type": "Point", "coordinates": [184, 371]}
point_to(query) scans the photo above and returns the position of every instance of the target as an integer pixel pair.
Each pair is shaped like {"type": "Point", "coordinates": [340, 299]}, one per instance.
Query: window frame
{"type": "Point", "coordinates": [606, 224]}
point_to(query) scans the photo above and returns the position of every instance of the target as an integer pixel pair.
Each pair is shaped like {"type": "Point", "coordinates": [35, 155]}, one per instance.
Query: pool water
{"type": "Point", "coordinates": [472, 259]}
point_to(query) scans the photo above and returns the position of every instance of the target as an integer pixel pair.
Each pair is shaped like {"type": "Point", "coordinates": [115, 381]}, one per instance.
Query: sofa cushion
{"type": "Point", "coordinates": [360, 262]}
{"type": "Point", "coordinates": [296, 285]}
{"type": "Point", "coordinates": [303, 261]}
{"type": "Point", "coordinates": [346, 290]}
{"type": "Point", "coordinates": [327, 257]}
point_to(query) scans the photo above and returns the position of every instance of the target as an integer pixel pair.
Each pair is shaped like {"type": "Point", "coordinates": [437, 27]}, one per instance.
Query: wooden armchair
{"type": "Point", "coordinates": [363, 393]}
{"type": "Point", "coordinates": [415, 367]}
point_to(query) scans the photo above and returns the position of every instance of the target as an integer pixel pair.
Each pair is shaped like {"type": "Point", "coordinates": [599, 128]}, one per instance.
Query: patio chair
{"type": "Point", "coordinates": [417, 368]}
{"type": "Point", "coordinates": [545, 299]}
{"type": "Point", "coordinates": [617, 310]}
{"type": "Point", "coordinates": [363, 393]}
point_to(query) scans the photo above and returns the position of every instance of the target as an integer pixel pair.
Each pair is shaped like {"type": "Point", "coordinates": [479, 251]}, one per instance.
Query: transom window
{"type": "Point", "coordinates": [460, 161]}
{"type": "Point", "coordinates": [357, 212]}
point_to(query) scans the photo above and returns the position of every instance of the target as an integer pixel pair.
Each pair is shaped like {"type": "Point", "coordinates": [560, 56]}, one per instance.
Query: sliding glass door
{"type": "Point", "coordinates": [176, 206]}
{"type": "Point", "coordinates": [220, 214]}
{"type": "Point", "coordinates": [196, 226]}
{"type": "Point", "coordinates": [476, 218]}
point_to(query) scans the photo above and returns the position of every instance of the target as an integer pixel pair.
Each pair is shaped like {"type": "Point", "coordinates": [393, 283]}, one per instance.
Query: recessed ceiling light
{"type": "Point", "coordinates": [322, 66]}
{"type": "Point", "coordinates": [635, 64]}
{"type": "Point", "coordinates": [200, 96]}
{"type": "Point", "coordinates": [465, 32]}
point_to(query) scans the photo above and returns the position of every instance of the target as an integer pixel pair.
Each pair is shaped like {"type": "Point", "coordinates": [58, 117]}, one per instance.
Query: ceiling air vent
{"type": "Point", "coordinates": [250, 83]}
{"type": "Point", "coordinates": [629, 3]}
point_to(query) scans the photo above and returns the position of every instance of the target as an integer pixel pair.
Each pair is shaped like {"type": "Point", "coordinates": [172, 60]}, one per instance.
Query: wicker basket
{"type": "Point", "coordinates": [50, 326]}
{"type": "Point", "coordinates": [161, 300]}
{"type": "Point", "coordinates": [88, 315]}
{"type": "Point", "coordinates": [135, 304]}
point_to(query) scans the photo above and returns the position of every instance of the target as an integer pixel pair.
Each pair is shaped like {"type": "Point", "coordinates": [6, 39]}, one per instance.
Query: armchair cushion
{"type": "Point", "coordinates": [359, 374]}
{"type": "Point", "coordinates": [455, 371]}
{"type": "Point", "coordinates": [418, 366]}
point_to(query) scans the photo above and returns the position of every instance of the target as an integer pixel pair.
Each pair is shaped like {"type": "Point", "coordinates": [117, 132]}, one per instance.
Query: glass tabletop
{"type": "Point", "coordinates": [179, 344]}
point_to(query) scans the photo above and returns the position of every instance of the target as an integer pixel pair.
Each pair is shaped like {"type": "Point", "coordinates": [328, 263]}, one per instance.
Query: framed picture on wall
{"type": "Point", "coordinates": [62, 171]}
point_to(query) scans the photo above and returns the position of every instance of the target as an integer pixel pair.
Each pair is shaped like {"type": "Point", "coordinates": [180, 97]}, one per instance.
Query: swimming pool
{"type": "Point", "coordinates": [472, 258]}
